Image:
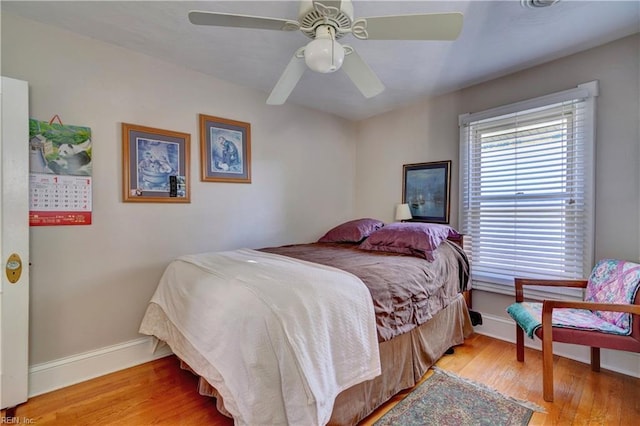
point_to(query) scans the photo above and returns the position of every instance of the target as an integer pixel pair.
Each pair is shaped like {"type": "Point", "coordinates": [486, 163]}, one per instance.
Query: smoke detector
{"type": "Point", "coordinates": [536, 4]}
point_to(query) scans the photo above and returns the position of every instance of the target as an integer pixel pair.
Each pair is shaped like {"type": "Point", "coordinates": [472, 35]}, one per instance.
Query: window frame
{"type": "Point", "coordinates": [586, 92]}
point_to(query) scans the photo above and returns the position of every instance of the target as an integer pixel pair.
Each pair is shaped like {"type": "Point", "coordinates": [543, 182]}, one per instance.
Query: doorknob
{"type": "Point", "coordinates": [13, 268]}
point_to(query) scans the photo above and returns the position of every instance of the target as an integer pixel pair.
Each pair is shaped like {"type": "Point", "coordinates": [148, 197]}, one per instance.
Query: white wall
{"type": "Point", "coordinates": [428, 131]}
{"type": "Point", "coordinates": [90, 284]}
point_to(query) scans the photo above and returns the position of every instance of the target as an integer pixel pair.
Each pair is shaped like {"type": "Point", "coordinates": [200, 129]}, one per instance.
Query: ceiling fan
{"type": "Point", "coordinates": [325, 22]}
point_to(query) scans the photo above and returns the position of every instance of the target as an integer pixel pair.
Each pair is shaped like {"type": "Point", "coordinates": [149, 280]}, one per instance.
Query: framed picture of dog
{"type": "Point", "coordinates": [426, 188]}
{"type": "Point", "coordinates": [225, 150]}
{"type": "Point", "coordinates": [155, 165]}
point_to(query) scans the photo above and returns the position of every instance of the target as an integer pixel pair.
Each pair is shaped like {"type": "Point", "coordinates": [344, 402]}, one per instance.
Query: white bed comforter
{"type": "Point", "coordinates": [286, 336]}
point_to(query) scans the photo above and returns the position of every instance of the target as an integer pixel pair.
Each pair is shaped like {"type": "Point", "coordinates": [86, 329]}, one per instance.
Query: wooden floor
{"type": "Point", "coordinates": [161, 393]}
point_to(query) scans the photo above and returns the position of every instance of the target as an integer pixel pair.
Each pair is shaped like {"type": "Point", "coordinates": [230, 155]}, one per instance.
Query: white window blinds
{"type": "Point", "coordinates": [527, 188]}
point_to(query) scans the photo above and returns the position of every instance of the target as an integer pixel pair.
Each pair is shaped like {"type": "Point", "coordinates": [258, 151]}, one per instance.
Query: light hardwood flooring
{"type": "Point", "coordinates": [161, 393]}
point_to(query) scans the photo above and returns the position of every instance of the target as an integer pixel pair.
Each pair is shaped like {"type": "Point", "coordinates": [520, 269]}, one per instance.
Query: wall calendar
{"type": "Point", "coordinates": [60, 166]}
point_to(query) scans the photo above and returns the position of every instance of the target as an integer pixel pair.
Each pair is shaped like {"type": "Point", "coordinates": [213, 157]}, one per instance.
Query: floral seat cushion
{"type": "Point", "coordinates": [611, 281]}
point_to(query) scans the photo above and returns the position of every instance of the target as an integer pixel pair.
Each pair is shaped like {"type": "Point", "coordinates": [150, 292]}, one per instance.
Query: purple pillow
{"type": "Point", "coordinates": [353, 231]}
{"type": "Point", "coordinates": [413, 238]}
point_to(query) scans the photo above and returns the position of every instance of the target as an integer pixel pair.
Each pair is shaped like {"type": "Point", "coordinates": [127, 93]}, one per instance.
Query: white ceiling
{"type": "Point", "coordinates": [498, 37]}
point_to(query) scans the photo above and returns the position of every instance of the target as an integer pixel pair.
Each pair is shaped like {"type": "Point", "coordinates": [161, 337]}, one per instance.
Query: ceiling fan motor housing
{"type": "Point", "coordinates": [310, 16]}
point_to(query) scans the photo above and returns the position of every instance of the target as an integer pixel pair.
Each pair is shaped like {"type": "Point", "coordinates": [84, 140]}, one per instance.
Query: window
{"type": "Point", "coordinates": [526, 198]}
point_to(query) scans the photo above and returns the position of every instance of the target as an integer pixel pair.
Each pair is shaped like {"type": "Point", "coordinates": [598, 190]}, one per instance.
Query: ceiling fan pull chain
{"type": "Point", "coordinates": [333, 46]}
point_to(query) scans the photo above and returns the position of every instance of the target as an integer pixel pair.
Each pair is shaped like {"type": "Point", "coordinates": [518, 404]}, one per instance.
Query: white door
{"type": "Point", "coordinates": [14, 242]}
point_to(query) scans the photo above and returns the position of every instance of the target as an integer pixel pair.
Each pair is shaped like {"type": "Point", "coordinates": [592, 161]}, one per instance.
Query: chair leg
{"type": "Point", "coordinates": [519, 344]}
{"type": "Point", "coordinates": [547, 366]}
{"type": "Point", "coordinates": [595, 359]}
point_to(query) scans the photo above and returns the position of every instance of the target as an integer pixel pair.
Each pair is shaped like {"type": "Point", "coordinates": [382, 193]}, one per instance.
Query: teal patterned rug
{"type": "Point", "coordinates": [445, 399]}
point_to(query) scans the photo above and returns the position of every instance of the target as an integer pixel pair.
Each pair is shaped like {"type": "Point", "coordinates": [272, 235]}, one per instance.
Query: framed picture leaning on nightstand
{"type": "Point", "coordinates": [426, 187]}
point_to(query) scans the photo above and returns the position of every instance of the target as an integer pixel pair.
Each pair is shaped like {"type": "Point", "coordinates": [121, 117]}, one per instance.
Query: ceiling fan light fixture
{"type": "Point", "coordinates": [323, 55]}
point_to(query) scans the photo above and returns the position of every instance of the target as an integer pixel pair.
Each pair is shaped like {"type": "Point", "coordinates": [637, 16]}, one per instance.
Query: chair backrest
{"type": "Point", "coordinates": [615, 281]}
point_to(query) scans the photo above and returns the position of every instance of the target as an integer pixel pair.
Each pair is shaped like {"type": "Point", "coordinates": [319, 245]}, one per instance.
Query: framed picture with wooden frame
{"type": "Point", "coordinates": [155, 165]}
{"type": "Point", "coordinates": [225, 150]}
{"type": "Point", "coordinates": [426, 187]}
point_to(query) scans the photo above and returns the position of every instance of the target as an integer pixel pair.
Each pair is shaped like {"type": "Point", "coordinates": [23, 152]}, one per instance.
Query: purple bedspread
{"type": "Point", "coordinates": [406, 291]}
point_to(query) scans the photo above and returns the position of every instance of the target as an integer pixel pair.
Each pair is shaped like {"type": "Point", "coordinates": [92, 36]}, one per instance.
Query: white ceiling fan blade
{"type": "Point", "coordinates": [200, 17]}
{"type": "Point", "coordinates": [362, 76]}
{"type": "Point", "coordinates": [429, 26]}
{"type": "Point", "coordinates": [288, 80]}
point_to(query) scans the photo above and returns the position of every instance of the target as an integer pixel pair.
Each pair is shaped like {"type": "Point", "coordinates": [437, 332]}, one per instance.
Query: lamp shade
{"type": "Point", "coordinates": [403, 212]}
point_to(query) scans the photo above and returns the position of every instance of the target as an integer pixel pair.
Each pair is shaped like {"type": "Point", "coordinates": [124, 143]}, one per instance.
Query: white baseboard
{"type": "Point", "coordinates": [60, 373]}
{"type": "Point", "coordinates": [619, 361]}
{"type": "Point", "coordinates": [68, 371]}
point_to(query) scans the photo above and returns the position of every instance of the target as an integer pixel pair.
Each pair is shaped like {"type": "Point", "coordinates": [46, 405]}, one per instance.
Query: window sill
{"type": "Point", "coordinates": [530, 292]}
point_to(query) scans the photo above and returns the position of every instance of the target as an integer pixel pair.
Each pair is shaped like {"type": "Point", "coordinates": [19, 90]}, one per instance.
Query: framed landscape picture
{"type": "Point", "coordinates": [225, 150]}
{"type": "Point", "coordinates": [426, 188]}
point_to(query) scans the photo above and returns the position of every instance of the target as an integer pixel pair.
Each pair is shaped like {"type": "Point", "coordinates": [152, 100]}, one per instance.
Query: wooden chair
{"type": "Point", "coordinates": [612, 299]}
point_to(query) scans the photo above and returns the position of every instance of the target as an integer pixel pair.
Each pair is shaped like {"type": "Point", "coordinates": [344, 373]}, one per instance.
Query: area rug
{"type": "Point", "coordinates": [448, 400]}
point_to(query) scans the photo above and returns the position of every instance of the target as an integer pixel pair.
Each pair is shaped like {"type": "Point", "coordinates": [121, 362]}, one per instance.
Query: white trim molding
{"type": "Point", "coordinates": [50, 376]}
{"type": "Point", "coordinates": [504, 329]}
{"type": "Point", "coordinates": [53, 375]}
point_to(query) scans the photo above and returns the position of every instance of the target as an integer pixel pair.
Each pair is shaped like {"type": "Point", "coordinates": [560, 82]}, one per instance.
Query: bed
{"type": "Point", "coordinates": [413, 312]}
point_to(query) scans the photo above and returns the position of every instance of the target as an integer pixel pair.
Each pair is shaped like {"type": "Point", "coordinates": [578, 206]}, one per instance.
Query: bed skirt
{"type": "Point", "coordinates": [404, 360]}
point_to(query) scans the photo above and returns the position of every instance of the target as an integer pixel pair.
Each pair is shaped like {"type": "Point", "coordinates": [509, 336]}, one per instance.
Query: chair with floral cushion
{"type": "Point", "coordinates": [609, 316]}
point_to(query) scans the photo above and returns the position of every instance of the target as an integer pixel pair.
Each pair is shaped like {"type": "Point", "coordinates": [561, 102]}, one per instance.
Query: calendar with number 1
{"type": "Point", "coordinates": [59, 200]}
{"type": "Point", "coordinates": [60, 169]}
